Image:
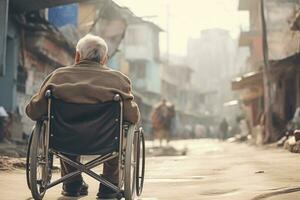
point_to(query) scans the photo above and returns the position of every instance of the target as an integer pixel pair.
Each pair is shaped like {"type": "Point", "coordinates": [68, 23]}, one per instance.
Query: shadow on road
{"type": "Point", "coordinates": [280, 192]}
{"type": "Point", "coordinates": [219, 192]}
{"type": "Point", "coordinates": [62, 198]}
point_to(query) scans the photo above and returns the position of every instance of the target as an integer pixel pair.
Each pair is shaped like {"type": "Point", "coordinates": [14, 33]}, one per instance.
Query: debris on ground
{"type": "Point", "coordinates": [282, 141]}
{"type": "Point", "coordinates": [260, 172]}
{"type": "Point", "coordinates": [12, 155]}
{"type": "Point", "coordinates": [238, 138]}
{"type": "Point", "coordinates": [13, 149]}
{"type": "Point", "coordinates": [165, 151]}
{"type": "Point", "coordinates": [292, 145]}
{"type": "Point", "coordinates": [9, 163]}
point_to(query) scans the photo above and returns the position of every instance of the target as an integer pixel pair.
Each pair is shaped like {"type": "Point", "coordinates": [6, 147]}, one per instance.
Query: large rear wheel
{"type": "Point", "coordinates": [130, 164]}
{"type": "Point", "coordinates": [40, 166]}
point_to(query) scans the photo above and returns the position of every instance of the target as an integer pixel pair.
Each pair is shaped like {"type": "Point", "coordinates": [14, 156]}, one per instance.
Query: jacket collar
{"type": "Point", "coordinates": [88, 63]}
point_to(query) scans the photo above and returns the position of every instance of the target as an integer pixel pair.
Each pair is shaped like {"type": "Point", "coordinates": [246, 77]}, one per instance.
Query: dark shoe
{"type": "Point", "coordinates": [75, 189]}
{"type": "Point", "coordinates": [107, 193]}
{"type": "Point", "coordinates": [84, 189]}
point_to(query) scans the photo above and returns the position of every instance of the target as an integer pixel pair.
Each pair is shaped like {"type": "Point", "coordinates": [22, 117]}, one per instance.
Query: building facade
{"type": "Point", "coordinates": [282, 73]}
{"type": "Point", "coordinates": [141, 50]}
{"type": "Point", "coordinates": [213, 58]}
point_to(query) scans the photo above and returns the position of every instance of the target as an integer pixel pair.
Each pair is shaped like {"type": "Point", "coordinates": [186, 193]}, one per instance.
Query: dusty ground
{"type": "Point", "coordinates": [211, 170]}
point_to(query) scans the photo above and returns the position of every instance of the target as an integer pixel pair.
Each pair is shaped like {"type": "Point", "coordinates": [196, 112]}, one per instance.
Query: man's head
{"type": "Point", "coordinates": [92, 48]}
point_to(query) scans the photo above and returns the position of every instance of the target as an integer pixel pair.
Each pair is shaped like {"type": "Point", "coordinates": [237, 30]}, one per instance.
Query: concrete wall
{"type": "Point", "coordinates": [281, 40]}
{"type": "Point", "coordinates": [37, 69]}
{"type": "Point", "coordinates": [8, 82]}
{"type": "Point", "coordinates": [86, 16]}
{"type": "Point", "coordinates": [141, 45]}
{"type": "Point", "coordinates": [33, 83]}
{"type": "Point", "coordinates": [153, 77]}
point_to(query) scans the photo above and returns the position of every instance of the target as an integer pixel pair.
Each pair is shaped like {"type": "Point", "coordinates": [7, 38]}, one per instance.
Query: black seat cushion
{"type": "Point", "coordinates": [84, 129]}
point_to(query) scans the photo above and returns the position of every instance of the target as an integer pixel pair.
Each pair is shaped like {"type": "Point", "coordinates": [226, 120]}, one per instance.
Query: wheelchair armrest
{"type": "Point", "coordinates": [48, 93]}
{"type": "Point", "coordinates": [117, 97]}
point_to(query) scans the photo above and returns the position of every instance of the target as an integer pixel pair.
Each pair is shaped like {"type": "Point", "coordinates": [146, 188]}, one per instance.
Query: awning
{"type": "Point", "coordinates": [247, 80]}
{"type": "Point", "coordinates": [285, 67]}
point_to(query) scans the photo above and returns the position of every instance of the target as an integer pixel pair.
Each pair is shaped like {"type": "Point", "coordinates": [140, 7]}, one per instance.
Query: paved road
{"type": "Point", "coordinates": [211, 170]}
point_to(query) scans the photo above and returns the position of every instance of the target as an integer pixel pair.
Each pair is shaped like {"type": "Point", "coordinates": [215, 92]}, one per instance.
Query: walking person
{"type": "Point", "coordinates": [223, 128]}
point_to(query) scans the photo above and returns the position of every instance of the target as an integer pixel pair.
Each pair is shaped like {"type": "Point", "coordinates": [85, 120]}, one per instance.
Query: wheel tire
{"type": "Point", "coordinates": [37, 185]}
{"type": "Point", "coordinates": [130, 165]}
{"type": "Point", "coordinates": [28, 161]}
{"type": "Point", "coordinates": [140, 166]}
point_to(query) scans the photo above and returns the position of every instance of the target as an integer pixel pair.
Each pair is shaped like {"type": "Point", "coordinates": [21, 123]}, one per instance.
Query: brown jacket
{"type": "Point", "coordinates": [86, 82]}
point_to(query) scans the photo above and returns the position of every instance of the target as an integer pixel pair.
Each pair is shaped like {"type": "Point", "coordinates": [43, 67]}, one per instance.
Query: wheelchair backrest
{"type": "Point", "coordinates": [85, 129]}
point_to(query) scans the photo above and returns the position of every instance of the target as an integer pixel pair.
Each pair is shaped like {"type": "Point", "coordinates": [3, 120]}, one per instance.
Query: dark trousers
{"type": "Point", "coordinates": [110, 170]}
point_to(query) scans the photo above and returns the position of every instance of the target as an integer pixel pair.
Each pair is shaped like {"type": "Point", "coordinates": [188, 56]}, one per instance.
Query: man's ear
{"type": "Point", "coordinates": [77, 57]}
{"type": "Point", "coordinates": [104, 60]}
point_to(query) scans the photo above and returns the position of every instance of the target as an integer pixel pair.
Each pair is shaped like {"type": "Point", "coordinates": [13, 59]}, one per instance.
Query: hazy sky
{"type": "Point", "coordinates": [188, 18]}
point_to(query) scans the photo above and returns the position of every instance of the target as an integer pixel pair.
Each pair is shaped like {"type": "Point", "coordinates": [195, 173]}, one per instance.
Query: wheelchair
{"type": "Point", "coordinates": [86, 129]}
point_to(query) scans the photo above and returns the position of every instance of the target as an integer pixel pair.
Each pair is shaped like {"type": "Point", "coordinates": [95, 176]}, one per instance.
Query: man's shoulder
{"type": "Point", "coordinates": [61, 69]}
{"type": "Point", "coordinates": [107, 72]}
{"type": "Point", "coordinates": [71, 69]}
{"type": "Point", "coordinates": [120, 75]}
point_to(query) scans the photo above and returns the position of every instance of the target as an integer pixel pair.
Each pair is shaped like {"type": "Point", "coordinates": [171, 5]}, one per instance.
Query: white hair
{"type": "Point", "coordinates": [92, 47]}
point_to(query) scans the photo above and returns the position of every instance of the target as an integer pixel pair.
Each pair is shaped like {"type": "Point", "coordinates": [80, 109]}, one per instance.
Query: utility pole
{"type": "Point", "coordinates": [266, 78]}
{"type": "Point", "coordinates": [168, 32]}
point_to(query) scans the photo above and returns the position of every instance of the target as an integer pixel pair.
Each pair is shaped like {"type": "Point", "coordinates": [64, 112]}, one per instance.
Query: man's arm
{"type": "Point", "coordinates": [37, 106]}
{"type": "Point", "coordinates": [130, 108]}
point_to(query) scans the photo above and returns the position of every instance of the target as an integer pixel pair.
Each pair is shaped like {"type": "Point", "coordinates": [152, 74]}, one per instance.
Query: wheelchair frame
{"type": "Point", "coordinates": [131, 153]}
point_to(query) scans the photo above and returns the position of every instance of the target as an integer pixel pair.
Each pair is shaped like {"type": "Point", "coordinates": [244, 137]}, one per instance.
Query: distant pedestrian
{"type": "Point", "coordinates": [223, 128]}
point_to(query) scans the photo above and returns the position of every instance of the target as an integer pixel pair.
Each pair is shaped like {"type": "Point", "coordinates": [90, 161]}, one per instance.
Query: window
{"type": "Point", "coordinates": [138, 69]}
{"type": "Point", "coordinates": [21, 79]}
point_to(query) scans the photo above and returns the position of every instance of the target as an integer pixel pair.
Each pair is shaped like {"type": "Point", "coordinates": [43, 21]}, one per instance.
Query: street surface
{"type": "Point", "coordinates": [211, 170]}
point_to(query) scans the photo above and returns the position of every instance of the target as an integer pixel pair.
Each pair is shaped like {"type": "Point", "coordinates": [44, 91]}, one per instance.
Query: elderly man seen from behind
{"type": "Point", "coordinates": [88, 81]}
